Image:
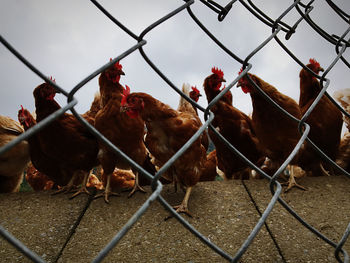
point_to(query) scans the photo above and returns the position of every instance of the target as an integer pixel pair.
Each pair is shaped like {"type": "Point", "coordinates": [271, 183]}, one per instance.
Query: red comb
{"type": "Point", "coordinates": [53, 80]}
{"type": "Point", "coordinates": [194, 88]}
{"type": "Point", "coordinates": [21, 111]}
{"type": "Point", "coordinates": [117, 65]}
{"type": "Point", "coordinates": [314, 62]}
{"type": "Point", "coordinates": [217, 72]}
{"type": "Point", "coordinates": [22, 117]}
{"type": "Point", "coordinates": [126, 92]}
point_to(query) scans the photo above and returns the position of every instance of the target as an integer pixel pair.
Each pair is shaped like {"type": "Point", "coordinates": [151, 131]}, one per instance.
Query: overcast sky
{"type": "Point", "coordinates": [71, 39]}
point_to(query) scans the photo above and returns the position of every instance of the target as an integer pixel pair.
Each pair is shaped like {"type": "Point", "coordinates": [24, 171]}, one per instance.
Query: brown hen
{"type": "Point", "coordinates": [325, 121]}
{"type": "Point", "coordinates": [38, 180]}
{"type": "Point", "coordinates": [167, 131]}
{"type": "Point", "coordinates": [235, 126]}
{"type": "Point", "coordinates": [125, 133]}
{"type": "Point", "coordinates": [66, 140]}
{"type": "Point", "coordinates": [276, 132]}
{"type": "Point", "coordinates": [41, 161]}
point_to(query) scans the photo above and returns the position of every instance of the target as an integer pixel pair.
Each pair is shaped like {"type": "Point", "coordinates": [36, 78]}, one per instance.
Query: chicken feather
{"type": "Point", "coordinates": [277, 133]}
{"type": "Point", "coordinates": [14, 161]}
{"type": "Point", "coordinates": [167, 131]}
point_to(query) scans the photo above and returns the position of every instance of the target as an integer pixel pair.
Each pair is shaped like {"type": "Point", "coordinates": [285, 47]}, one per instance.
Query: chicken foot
{"type": "Point", "coordinates": [107, 192]}
{"type": "Point", "coordinates": [83, 188]}
{"type": "Point", "coordinates": [137, 186]}
{"type": "Point", "coordinates": [183, 207]}
{"type": "Point", "coordinates": [292, 182]}
{"type": "Point", "coordinates": [67, 188]}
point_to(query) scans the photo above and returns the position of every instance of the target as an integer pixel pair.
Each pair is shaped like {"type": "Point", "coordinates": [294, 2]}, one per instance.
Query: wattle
{"type": "Point", "coordinates": [245, 89]}
{"type": "Point", "coordinates": [218, 87]}
{"type": "Point", "coordinates": [132, 114]}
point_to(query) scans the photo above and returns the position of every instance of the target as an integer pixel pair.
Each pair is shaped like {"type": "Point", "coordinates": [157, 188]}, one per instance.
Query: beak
{"type": "Point", "coordinates": [200, 95]}
{"type": "Point", "coordinates": [238, 84]}
{"type": "Point", "coordinates": [121, 72]}
{"type": "Point", "coordinates": [321, 69]}
{"type": "Point", "coordinates": [223, 80]}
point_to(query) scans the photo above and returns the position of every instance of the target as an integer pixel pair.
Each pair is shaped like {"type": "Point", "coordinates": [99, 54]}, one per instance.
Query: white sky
{"type": "Point", "coordinates": [71, 39]}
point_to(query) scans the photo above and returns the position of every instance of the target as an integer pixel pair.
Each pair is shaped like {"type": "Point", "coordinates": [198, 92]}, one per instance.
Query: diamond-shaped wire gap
{"type": "Point", "coordinates": [345, 16]}
{"type": "Point", "coordinates": [314, 25]}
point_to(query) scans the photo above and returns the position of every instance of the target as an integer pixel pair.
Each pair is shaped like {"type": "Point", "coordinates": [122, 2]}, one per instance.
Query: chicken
{"type": "Point", "coordinates": [42, 162]}
{"type": "Point", "coordinates": [185, 106]}
{"type": "Point", "coordinates": [343, 157]}
{"type": "Point", "coordinates": [45, 174]}
{"type": "Point", "coordinates": [44, 165]}
{"type": "Point", "coordinates": [14, 161]}
{"type": "Point", "coordinates": [325, 123]}
{"type": "Point", "coordinates": [96, 105]}
{"type": "Point", "coordinates": [195, 95]}
{"type": "Point", "coordinates": [38, 180]}
{"type": "Point", "coordinates": [212, 85]}
{"type": "Point", "coordinates": [120, 179]}
{"type": "Point", "coordinates": [343, 96]}
{"type": "Point", "coordinates": [209, 173]}
{"type": "Point", "coordinates": [124, 132]}
{"type": "Point", "coordinates": [167, 131]}
{"type": "Point", "coordinates": [93, 181]}
{"type": "Point", "coordinates": [235, 126]}
{"type": "Point", "coordinates": [66, 141]}
{"type": "Point", "coordinates": [276, 132]}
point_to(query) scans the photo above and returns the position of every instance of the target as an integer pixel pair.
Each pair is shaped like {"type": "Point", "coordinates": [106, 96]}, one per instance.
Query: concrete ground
{"type": "Point", "coordinates": [225, 212]}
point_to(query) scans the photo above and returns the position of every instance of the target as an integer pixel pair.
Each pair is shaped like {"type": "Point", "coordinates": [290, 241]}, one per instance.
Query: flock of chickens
{"type": "Point", "coordinates": [66, 156]}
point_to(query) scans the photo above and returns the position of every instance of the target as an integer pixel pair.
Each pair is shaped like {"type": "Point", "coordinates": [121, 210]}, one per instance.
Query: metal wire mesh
{"type": "Point", "coordinates": [279, 28]}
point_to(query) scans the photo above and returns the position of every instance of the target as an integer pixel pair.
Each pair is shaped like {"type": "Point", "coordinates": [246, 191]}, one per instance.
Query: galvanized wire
{"type": "Point", "coordinates": [278, 27]}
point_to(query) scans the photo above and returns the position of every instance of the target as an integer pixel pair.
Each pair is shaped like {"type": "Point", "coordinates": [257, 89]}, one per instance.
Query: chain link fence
{"type": "Point", "coordinates": [279, 29]}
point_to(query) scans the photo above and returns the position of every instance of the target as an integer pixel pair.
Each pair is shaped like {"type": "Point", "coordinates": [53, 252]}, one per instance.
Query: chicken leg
{"type": "Point", "coordinates": [183, 207]}
{"type": "Point", "coordinates": [68, 187]}
{"type": "Point", "coordinates": [107, 192]}
{"type": "Point", "coordinates": [83, 188]}
{"type": "Point", "coordinates": [292, 182]}
{"type": "Point", "coordinates": [137, 186]}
